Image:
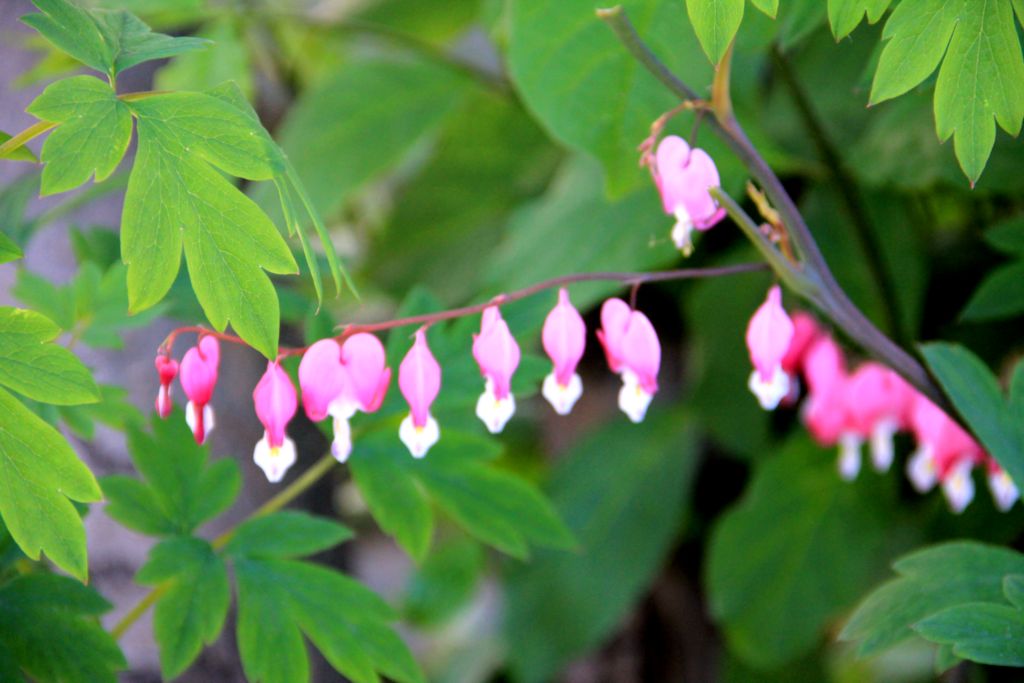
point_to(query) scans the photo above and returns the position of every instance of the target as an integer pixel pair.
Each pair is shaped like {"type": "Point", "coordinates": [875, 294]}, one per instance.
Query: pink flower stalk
{"type": "Point", "coordinates": [880, 404]}
{"type": "Point", "coordinates": [419, 378]}
{"type": "Point", "coordinates": [683, 177]}
{"type": "Point", "coordinates": [564, 338]}
{"type": "Point", "coordinates": [634, 352]}
{"type": "Point", "coordinates": [167, 368]}
{"type": "Point", "coordinates": [769, 336]}
{"type": "Point", "coordinates": [341, 379]}
{"type": "Point", "coordinates": [1004, 491]}
{"type": "Point", "coordinates": [276, 402]}
{"type": "Point", "coordinates": [497, 354]}
{"type": "Point", "coordinates": [199, 369]}
{"type": "Point", "coordinates": [945, 453]}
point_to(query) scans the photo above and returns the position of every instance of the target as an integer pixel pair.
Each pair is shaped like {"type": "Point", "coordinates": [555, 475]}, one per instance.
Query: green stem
{"type": "Point", "coordinates": [287, 495]}
{"type": "Point", "coordinates": [833, 301]}
{"type": "Point", "coordinates": [18, 141]}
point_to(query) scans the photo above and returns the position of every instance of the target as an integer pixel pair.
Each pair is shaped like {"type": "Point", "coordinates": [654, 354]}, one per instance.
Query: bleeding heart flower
{"type": "Point", "coordinates": [683, 177]}
{"type": "Point", "coordinates": [945, 453]}
{"type": "Point", "coordinates": [565, 338]}
{"type": "Point", "coordinates": [321, 377]}
{"type": "Point", "coordinates": [1004, 491]}
{"type": "Point", "coordinates": [769, 335]}
{"type": "Point", "coordinates": [276, 402]}
{"type": "Point", "coordinates": [199, 369]}
{"type": "Point", "coordinates": [419, 378]}
{"type": "Point", "coordinates": [167, 368]}
{"type": "Point", "coordinates": [634, 352]}
{"type": "Point", "coordinates": [497, 354]}
{"type": "Point", "coordinates": [880, 404]}
{"type": "Point", "coordinates": [826, 412]}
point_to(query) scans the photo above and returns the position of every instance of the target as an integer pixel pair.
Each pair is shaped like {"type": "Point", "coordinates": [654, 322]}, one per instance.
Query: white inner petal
{"type": "Point", "coordinates": [682, 231]}
{"type": "Point", "coordinates": [769, 393]}
{"type": "Point", "coordinates": [274, 461]}
{"type": "Point", "coordinates": [419, 439]}
{"type": "Point", "coordinates": [208, 421]}
{"type": "Point", "coordinates": [633, 399]}
{"type": "Point", "coordinates": [562, 398]}
{"type": "Point", "coordinates": [959, 486]}
{"type": "Point", "coordinates": [921, 469]}
{"type": "Point", "coordinates": [849, 455]}
{"type": "Point", "coordinates": [1004, 492]}
{"type": "Point", "coordinates": [494, 412]}
{"type": "Point", "coordinates": [881, 443]}
{"type": "Point", "coordinates": [341, 447]}
{"type": "Point", "coordinates": [342, 407]}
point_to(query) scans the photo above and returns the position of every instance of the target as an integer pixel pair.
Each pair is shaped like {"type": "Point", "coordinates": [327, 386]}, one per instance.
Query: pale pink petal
{"type": "Point", "coordinates": [564, 338]}
{"type": "Point", "coordinates": [496, 352]}
{"type": "Point", "coordinates": [419, 378]}
{"type": "Point", "coordinates": [321, 377]}
{"type": "Point", "coordinates": [276, 402]}
{"type": "Point", "coordinates": [615, 315]}
{"type": "Point", "coordinates": [363, 357]}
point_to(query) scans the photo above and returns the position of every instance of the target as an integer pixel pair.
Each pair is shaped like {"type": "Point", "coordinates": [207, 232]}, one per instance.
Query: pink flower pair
{"type": "Point", "coordinates": [684, 177]}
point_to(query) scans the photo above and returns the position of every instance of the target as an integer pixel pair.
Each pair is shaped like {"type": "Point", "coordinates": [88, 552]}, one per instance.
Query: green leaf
{"type": "Point", "coordinates": [1007, 236]}
{"type": "Point", "coordinates": [585, 87]}
{"type": "Point", "coordinates": [846, 15]}
{"type": "Point", "coordinates": [930, 580]}
{"type": "Point", "coordinates": [395, 104]}
{"type": "Point", "coordinates": [73, 30]}
{"type": "Point", "coordinates": [1013, 589]}
{"type": "Point", "coordinates": [769, 7]}
{"type": "Point", "coordinates": [23, 153]}
{"type": "Point", "coordinates": [134, 42]}
{"type": "Point", "coordinates": [625, 497]}
{"type": "Point", "coordinates": [799, 547]}
{"type": "Point", "coordinates": [445, 582]}
{"type": "Point", "coordinates": [975, 394]}
{"type": "Point", "coordinates": [176, 197]}
{"type": "Point", "coordinates": [40, 474]}
{"type": "Point", "coordinates": [194, 602]}
{"type": "Point", "coordinates": [9, 251]}
{"type": "Point", "coordinates": [55, 302]}
{"type": "Point", "coordinates": [981, 632]}
{"type": "Point", "coordinates": [48, 626]}
{"type": "Point", "coordinates": [279, 600]}
{"type": "Point", "coordinates": [93, 135]}
{"type": "Point", "coordinates": [715, 23]}
{"type": "Point", "coordinates": [1000, 295]}
{"type": "Point", "coordinates": [31, 365]}
{"type": "Point", "coordinates": [180, 490]}
{"type": "Point", "coordinates": [286, 534]}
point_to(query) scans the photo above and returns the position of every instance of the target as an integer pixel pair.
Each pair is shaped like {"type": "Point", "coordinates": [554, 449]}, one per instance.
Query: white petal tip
{"type": "Point", "coordinates": [769, 394]}
{"type": "Point", "coordinates": [921, 470]}
{"type": "Point", "coordinates": [958, 486]}
{"type": "Point", "coordinates": [562, 398]}
{"type": "Point", "coordinates": [274, 461]}
{"type": "Point", "coordinates": [849, 456]}
{"type": "Point", "coordinates": [494, 412]}
{"type": "Point", "coordinates": [341, 446]}
{"type": "Point", "coordinates": [682, 232]}
{"type": "Point", "coordinates": [1004, 491]}
{"type": "Point", "coordinates": [633, 399]}
{"type": "Point", "coordinates": [419, 440]}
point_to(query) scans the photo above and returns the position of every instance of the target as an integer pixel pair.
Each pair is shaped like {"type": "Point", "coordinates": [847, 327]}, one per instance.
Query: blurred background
{"type": "Point", "coordinates": [459, 149]}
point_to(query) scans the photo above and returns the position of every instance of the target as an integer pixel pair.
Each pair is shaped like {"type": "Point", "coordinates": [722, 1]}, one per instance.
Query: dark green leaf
{"type": "Point", "coordinates": [133, 504]}
{"type": "Point", "coordinates": [624, 493]}
{"type": "Point", "coordinates": [975, 394]}
{"type": "Point", "coordinates": [799, 548]}
{"type": "Point", "coordinates": [56, 303]}
{"type": "Point", "coordinates": [194, 603]}
{"type": "Point", "coordinates": [1013, 589]}
{"type": "Point", "coordinates": [1007, 236]}
{"type": "Point", "coordinates": [48, 626]}
{"type": "Point", "coordinates": [135, 43]}
{"type": "Point", "coordinates": [31, 365]}
{"type": "Point", "coordinates": [286, 534]}
{"type": "Point", "coordinates": [981, 632]}
{"type": "Point", "coordinates": [930, 581]}
{"type": "Point", "coordinates": [1000, 295]}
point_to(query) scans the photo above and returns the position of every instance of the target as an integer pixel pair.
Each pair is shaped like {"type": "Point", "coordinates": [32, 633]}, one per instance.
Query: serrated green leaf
{"type": "Point", "coordinates": [1007, 236]}
{"type": "Point", "coordinates": [1000, 295]}
{"type": "Point", "coordinates": [769, 7]}
{"type": "Point", "coordinates": [715, 22]}
{"type": "Point", "coordinates": [31, 365]}
{"type": "Point", "coordinates": [48, 626]}
{"type": "Point", "coordinates": [981, 632]}
{"type": "Point", "coordinates": [45, 297]}
{"type": "Point", "coordinates": [176, 198]}
{"type": "Point", "coordinates": [132, 504]}
{"type": "Point", "coordinates": [40, 474]}
{"type": "Point", "coordinates": [134, 42]}
{"type": "Point", "coordinates": [344, 620]}
{"type": "Point", "coordinates": [975, 393]}
{"type": "Point", "coordinates": [93, 135]}
{"type": "Point", "coordinates": [799, 547]}
{"type": "Point", "coordinates": [396, 104]}
{"type": "Point", "coordinates": [846, 15]}
{"type": "Point", "coordinates": [217, 489]}
{"type": "Point", "coordinates": [916, 34]}
{"type": "Point", "coordinates": [9, 251]}
{"type": "Point", "coordinates": [625, 497]}
{"type": "Point", "coordinates": [286, 534]}
{"type": "Point", "coordinates": [445, 582]}
{"type": "Point", "coordinates": [73, 30]}
{"type": "Point", "coordinates": [192, 608]}
{"type": "Point", "coordinates": [931, 580]}
{"type": "Point", "coordinates": [23, 153]}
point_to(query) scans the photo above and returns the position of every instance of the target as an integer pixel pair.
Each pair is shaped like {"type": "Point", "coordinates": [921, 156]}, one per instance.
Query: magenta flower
{"type": "Point", "coordinates": [497, 354]}
{"type": "Point", "coordinates": [276, 402]}
{"type": "Point", "coordinates": [769, 335]}
{"type": "Point", "coordinates": [167, 368]}
{"type": "Point", "coordinates": [826, 412]}
{"type": "Point", "coordinates": [564, 337]}
{"type": "Point", "coordinates": [683, 177]}
{"type": "Point", "coordinates": [945, 453]}
{"type": "Point", "coordinates": [419, 378]}
{"type": "Point", "coordinates": [198, 379]}
{"type": "Point", "coordinates": [880, 405]}
{"type": "Point", "coordinates": [633, 351]}
{"type": "Point", "coordinates": [363, 356]}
